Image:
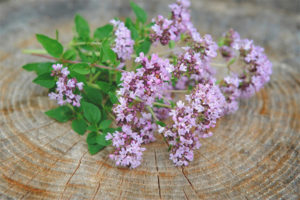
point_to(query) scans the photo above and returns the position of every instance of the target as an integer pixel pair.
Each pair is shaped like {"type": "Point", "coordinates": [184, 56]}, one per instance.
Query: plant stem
{"type": "Point", "coordinates": [218, 64]}
{"type": "Point", "coordinates": [84, 43]}
{"type": "Point", "coordinates": [155, 103]}
{"type": "Point", "coordinates": [177, 91]}
{"type": "Point", "coordinates": [94, 77]}
{"type": "Point", "coordinates": [70, 61]}
{"type": "Point", "coordinates": [152, 113]}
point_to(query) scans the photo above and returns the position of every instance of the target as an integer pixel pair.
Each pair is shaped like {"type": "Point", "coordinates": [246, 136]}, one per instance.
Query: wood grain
{"type": "Point", "coordinates": [254, 153]}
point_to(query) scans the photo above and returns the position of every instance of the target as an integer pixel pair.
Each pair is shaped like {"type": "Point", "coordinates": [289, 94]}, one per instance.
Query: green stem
{"type": "Point", "coordinates": [71, 61]}
{"type": "Point", "coordinates": [84, 43]}
{"type": "Point", "coordinates": [155, 103]}
{"type": "Point", "coordinates": [34, 51]}
{"type": "Point", "coordinates": [94, 77]}
{"type": "Point", "coordinates": [177, 91]}
{"type": "Point", "coordinates": [152, 113]}
{"type": "Point", "coordinates": [93, 85]}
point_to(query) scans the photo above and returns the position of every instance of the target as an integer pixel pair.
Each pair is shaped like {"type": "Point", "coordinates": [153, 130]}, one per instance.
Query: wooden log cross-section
{"type": "Point", "coordinates": [254, 153]}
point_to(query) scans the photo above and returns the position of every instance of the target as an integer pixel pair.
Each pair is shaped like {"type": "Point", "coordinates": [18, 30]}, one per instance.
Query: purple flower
{"type": "Point", "coordinates": [123, 42]}
{"type": "Point", "coordinates": [128, 151]}
{"type": "Point", "coordinates": [230, 89]}
{"type": "Point", "coordinates": [165, 30]}
{"type": "Point", "coordinates": [65, 87]}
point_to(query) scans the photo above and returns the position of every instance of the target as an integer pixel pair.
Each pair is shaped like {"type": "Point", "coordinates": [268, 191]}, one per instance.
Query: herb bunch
{"type": "Point", "coordinates": [109, 85]}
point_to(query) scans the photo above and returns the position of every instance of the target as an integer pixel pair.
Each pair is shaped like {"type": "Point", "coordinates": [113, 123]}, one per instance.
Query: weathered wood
{"type": "Point", "coordinates": [252, 155]}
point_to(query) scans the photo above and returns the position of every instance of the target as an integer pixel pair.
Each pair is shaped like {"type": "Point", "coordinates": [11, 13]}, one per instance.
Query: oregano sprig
{"type": "Point", "coordinates": [109, 86]}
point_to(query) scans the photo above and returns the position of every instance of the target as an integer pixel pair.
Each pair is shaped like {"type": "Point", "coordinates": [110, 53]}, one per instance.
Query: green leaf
{"type": "Point", "coordinates": [81, 68]}
{"type": "Point", "coordinates": [140, 13]}
{"type": "Point", "coordinates": [82, 27]}
{"type": "Point", "coordinates": [91, 112]}
{"type": "Point", "coordinates": [95, 148]}
{"type": "Point", "coordinates": [144, 47]}
{"type": "Point", "coordinates": [113, 98]}
{"type": "Point", "coordinates": [79, 77]}
{"type": "Point", "coordinates": [79, 126]}
{"type": "Point", "coordinates": [231, 61]}
{"type": "Point", "coordinates": [39, 68]}
{"type": "Point", "coordinates": [70, 54]}
{"type": "Point", "coordinates": [61, 114]}
{"type": "Point", "coordinates": [53, 47]}
{"type": "Point", "coordinates": [172, 44]}
{"type": "Point", "coordinates": [91, 138]}
{"type": "Point", "coordinates": [130, 25]}
{"type": "Point", "coordinates": [103, 32]}
{"type": "Point", "coordinates": [221, 42]}
{"type": "Point", "coordinates": [105, 87]}
{"type": "Point", "coordinates": [45, 80]}
{"type": "Point", "coordinates": [102, 141]}
{"type": "Point", "coordinates": [105, 124]}
{"type": "Point", "coordinates": [109, 54]}
{"type": "Point", "coordinates": [93, 95]}
{"type": "Point", "coordinates": [160, 123]}
{"type": "Point", "coordinates": [118, 77]}
{"type": "Point", "coordinates": [92, 127]}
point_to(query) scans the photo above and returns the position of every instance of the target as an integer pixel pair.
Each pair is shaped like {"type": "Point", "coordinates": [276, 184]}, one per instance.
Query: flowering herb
{"type": "Point", "coordinates": [111, 87]}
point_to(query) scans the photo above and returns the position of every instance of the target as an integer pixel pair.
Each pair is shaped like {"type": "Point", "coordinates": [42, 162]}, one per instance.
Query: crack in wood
{"type": "Point", "coordinates": [188, 180]}
{"type": "Point", "coordinates": [78, 165]}
{"type": "Point", "coordinates": [158, 181]}
{"type": "Point", "coordinates": [98, 186]}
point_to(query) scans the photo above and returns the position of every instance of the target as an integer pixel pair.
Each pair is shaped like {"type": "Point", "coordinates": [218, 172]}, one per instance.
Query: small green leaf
{"type": "Point", "coordinates": [144, 47]}
{"type": "Point", "coordinates": [45, 80]}
{"type": "Point", "coordinates": [61, 114]}
{"type": "Point", "coordinates": [81, 68]}
{"type": "Point", "coordinates": [79, 77]}
{"type": "Point", "coordinates": [118, 77]}
{"type": "Point", "coordinates": [79, 126]}
{"type": "Point", "coordinates": [91, 112]}
{"type": "Point", "coordinates": [95, 148]}
{"type": "Point", "coordinates": [91, 138]}
{"type": "Point", "coordinates": [93, 95]}
{"type": "Point", "coordinates": [221, 42]}
{"type": "Point", "coordinates": [172, 44]}
{"type": "Point", "coordinates": [113, 98]}
{"type": "Point", "coordinates": [109, 54]}
{"type": "Point", "coordinates": [231, 61]}
{"type": "Point", "coordinates": [103, 32]}
{"type": "Point", "coordinates": [102, 141]}
{"type": "Point", "coordinates": [130, 25]}
{"type": "Point", "coordinates": [172, 104]}
{"type": "Point", "coordinates": [82, 27]}
{"type": "Point", "coordinates": [105, 124]}
{"type": "Point", "coordinates": [70, 54]}
{"type": "Point", "coordinates": [140, 13]}
{"type": "Point", "coordinates": [39, 68]}
{"type": "Point", "coordinates": [160, 123]}
{"type": "Point", "coordinates": [92, 127]}
{"type": "Point", "coordinates": [53, 47]}
{"type": "Point", "coordinates": [105, 87]}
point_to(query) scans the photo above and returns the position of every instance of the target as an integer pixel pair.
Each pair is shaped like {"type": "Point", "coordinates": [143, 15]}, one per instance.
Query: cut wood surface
{"type": "Point", "coordinates": [253, 154]}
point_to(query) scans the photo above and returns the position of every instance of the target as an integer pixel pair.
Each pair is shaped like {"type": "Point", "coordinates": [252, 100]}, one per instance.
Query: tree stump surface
{"type": "Point", "coordinates": [252, 155]}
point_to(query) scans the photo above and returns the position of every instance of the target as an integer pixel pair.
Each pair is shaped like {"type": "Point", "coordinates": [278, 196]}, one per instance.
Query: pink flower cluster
{"type": "Point", "coordinates": [65, 87]}
{"type": "Point", "coordinates": [194, 62]}
{"type": "Point", "coordinates": [146, 84]}
{"type": "Point", "coordinates": [149, 81]}
{"type": "Point", "coordinates": [258, 68]}
{"type": "Point", "coordinates": [165, 29]}
{"type": "Point", "coordinates": [193, 121]}
{"type": "Point", "coordinates": [230, 89]}
{"type": "Point", "coordinates": [128, 150]}
{"type": "Point", "coordinates": [123, 42]}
